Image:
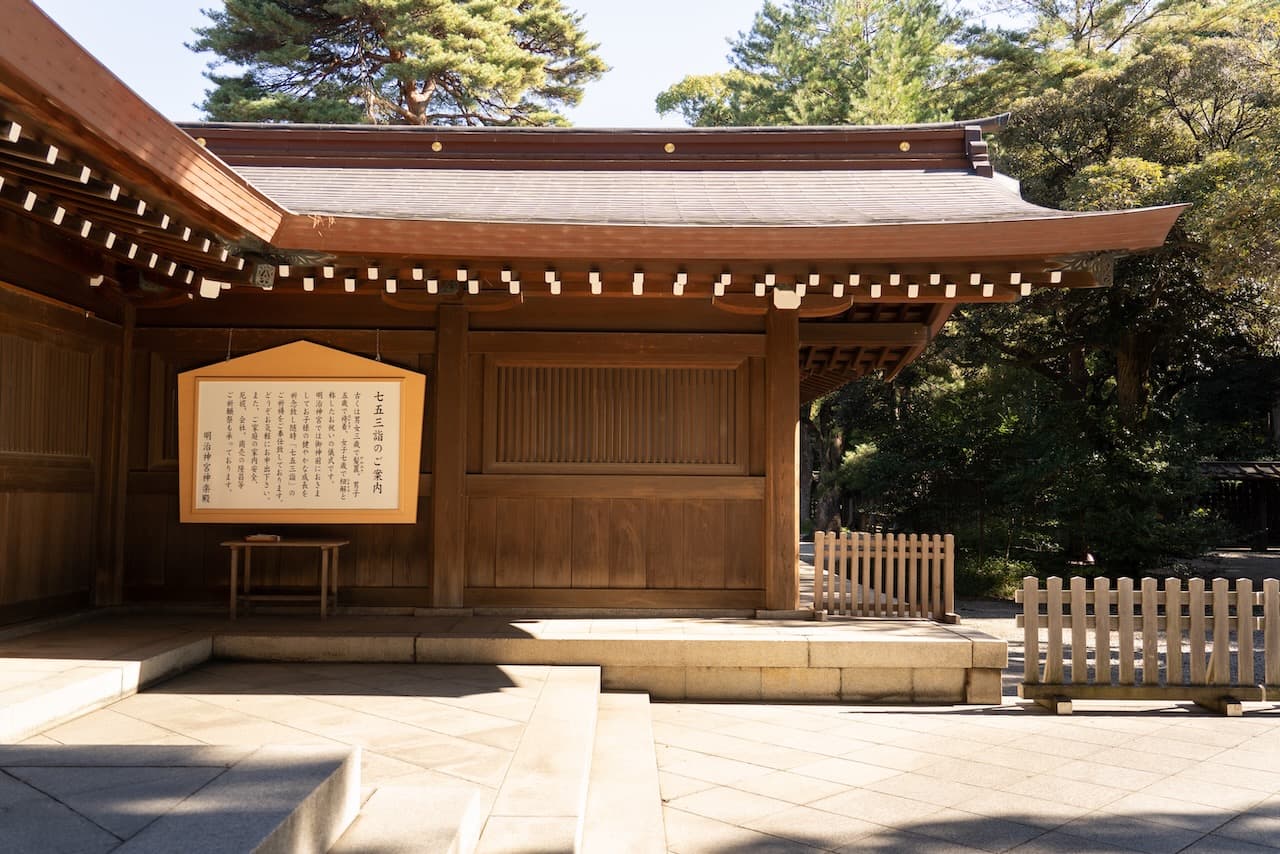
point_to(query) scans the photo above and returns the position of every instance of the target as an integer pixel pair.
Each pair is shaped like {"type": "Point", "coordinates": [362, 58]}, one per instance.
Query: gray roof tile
{"type": "Point", "coordinates": [653, 198]}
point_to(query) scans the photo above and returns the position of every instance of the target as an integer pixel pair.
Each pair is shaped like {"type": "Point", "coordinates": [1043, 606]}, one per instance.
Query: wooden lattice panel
{"type": "Point", "coordinates": [571, 418]}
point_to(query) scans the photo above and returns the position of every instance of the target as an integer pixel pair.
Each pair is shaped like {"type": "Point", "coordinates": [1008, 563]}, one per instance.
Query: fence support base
{"type": "Point", "coordinates": [1057, 704]}
{"type": "Point", "coordinates": [1223, 699]}
{"type": "Point", "coordinates": [1229, 706]}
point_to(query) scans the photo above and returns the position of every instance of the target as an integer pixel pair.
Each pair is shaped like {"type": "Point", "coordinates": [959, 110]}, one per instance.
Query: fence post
{"type": "Point", "coordinates": [1053, 613]}
{"type": "Point", "coordinates": [1195, 630]}
{"type": "Point", "coordinates": [1102, 630]}
{"type": "Point", "coordinates": [819, 571]}
{"type": "Point", "coordinates": [1244, 630]}
{"type": "Point", "coordinates": [1150, 633]}
{"type": "Point", "coordinates": [1221, 658]}
{"type": "Point", "coordinates": [949, 575]}
{"type": "Point", "coordinates": [1079, 633]}
{"type": "Point", "coordinates": [1271, 631]}
{"type": "Point", "coordinates": [1174, 672]}
{"type": "Point", "coordinates": [1124, 628]}
{"type": "Point", "coordinates": [1031, 630]}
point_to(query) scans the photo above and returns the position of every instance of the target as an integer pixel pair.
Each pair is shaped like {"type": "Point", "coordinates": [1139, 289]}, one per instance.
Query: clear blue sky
{"type": "Point", "coordinates": [649, 45]}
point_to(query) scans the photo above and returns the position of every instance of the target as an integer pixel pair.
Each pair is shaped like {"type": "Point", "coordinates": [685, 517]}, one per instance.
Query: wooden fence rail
{"type": "Point", "coordinates": [883, 575]}
{"type": "Point", "coordinates": [1173, 643]}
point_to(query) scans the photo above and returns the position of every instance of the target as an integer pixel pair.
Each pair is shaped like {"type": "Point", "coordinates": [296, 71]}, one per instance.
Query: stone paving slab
{"type": "Point", "coordinates": [966, 779]}
{"type": "Point", "coordinates": [163, 799]}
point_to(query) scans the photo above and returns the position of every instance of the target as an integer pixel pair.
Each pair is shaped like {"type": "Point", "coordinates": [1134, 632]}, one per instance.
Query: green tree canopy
{"type": "Point", "coordinates": [422, 62]}
{"type": "Point", "coordinates": [827, 62]}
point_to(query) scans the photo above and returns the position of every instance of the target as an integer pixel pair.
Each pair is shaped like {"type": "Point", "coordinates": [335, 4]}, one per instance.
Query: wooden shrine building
{"type": "Point", "coordinates": [617, 329]}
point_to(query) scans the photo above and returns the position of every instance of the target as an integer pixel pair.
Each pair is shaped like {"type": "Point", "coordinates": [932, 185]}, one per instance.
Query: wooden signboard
{"type": "Point", "coordinates": [299, 434]}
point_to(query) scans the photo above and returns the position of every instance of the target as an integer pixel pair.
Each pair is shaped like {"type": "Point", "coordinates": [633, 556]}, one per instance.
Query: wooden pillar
{"type": "Point", "coordinates": [782, 461]}
{"type": "Point", "coordinates": [109, 589]}
{"type": "Point", "coordinates": [449, 460]}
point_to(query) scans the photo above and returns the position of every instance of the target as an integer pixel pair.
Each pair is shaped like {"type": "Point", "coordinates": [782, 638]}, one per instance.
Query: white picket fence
{"type": "Point", "coordinates": [884, 575]}
{"type": "Point", "coordinates": [1173, 643]}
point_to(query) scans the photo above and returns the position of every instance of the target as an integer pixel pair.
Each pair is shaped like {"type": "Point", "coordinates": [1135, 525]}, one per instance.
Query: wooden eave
{"type": "Point", "coordinates": [1012, 240]}
{"type": "Point", "coordinates": [50, 81]}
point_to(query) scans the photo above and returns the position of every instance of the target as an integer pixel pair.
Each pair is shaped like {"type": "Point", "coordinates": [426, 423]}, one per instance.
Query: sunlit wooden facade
{"type": "Point", "coordinates": [617, 328]}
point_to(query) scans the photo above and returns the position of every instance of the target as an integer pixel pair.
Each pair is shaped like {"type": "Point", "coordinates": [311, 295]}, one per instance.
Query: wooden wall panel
{"type": "Point", "coordinates": [45, 398]}
{"type": "Point", "coordinates": [553, 543]}
{"type": "Point", "coordinates": [57, 373]}
{"type": "Point", "coordinates": [610, 419]}
{"type": "Point", "coordinates": [600, 543]}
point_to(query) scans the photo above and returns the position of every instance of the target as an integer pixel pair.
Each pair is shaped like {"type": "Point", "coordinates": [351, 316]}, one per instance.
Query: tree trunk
{"type": "Point", "coordinates": [807, 431]}
{"type": "Point", "coordinates": [1133, 378]}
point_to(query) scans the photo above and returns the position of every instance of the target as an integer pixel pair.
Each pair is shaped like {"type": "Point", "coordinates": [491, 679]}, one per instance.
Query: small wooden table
{"type": "Point", "coordinates": [328, 568]}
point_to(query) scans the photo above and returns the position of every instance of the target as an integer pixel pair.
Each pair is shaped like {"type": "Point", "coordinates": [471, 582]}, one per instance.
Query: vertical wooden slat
{"type": "Point", "coordinates": [949, 576]}
{"type": "Point", "coordinates": [926, 575]}
{"type": "Point", "coordinates": [909, 605]}
{"type": "Point", "coordinates": [1031, 630]}
{"type": "Point", "coordinates": [1124, 628]}
{"type": "Point", "coordinates": [836, 555]}
{"type": "Point", "coordinates": [1195, 630]}
{"type": "Point", "coordinates": [1175, 673]}
{"type": "Point", "coordinates": [878, 548]}
{"type": "Point", "coordinates": [1221, 658]}
{"type": "Point", "coordinates": [900, 585]}
{"type": "Point", "coordinates": [862, 577]}
{"type": "Point", "coordinates": [1244, 630]}
{"type": "Point", "coordinates": [1079, 633]}
{"type": "Point", "coordinates": [935, 581]}
{"type": "Point", "coordinates": [1102, 631]}
{"type": "Point", "coordinates": [1271, 631]}
{"type": "Point", "coordinates": [1150, 633]}
{"type": "Point", "coordinates": [843, 543]}
{"type": "Point", "coordinates": [820, 571]}
{"type": "Point", "coordinates": [1053, 649]}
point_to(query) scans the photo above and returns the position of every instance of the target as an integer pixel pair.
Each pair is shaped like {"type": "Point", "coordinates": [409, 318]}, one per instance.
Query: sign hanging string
{"type": "Point", "coordinates": [229, 333]}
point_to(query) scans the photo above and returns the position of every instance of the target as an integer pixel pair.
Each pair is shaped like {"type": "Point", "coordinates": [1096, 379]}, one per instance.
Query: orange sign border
{"type": "Point", "coordinates": [303, 360]}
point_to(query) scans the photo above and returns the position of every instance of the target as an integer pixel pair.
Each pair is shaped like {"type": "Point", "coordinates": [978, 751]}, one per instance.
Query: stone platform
{"type": "Point", "coordinates": [67, 670]}
{"type": "Point", "coordinates": [673, 658]}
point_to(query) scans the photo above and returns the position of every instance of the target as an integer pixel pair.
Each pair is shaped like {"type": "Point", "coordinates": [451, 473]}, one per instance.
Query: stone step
{"type": "Point", "coordinates": [400, 820]}
{"type": "Point", "coordinates": [42, 692]}
{"type": "Point", "coordinates": [148, 799]}
{"type": "Point", "coordinates": [542, 799]}
{"type": "Point", "coordinates": [624, 805]}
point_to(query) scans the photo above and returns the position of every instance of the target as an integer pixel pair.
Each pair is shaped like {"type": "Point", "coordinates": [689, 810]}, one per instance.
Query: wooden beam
{"type": "Point", "coordinates": [613, 486]}
{"type": "Point", "coordinates": [577, 344]}
{"type": "Point", "coordinates": [863, 334]}
{"type": "Point", "coordinates": [782, 462]}
{"type": "Point", "coordinates": [449, 463]}
{"type": "Point", "coordinates": [595, 597]}
{"type": "Point", "coordinates": [182, 339]}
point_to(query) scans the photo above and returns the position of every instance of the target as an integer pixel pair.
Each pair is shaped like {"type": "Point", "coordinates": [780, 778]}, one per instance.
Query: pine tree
{"type": "Point", "coordinates": [422, 62]}
{"type": "Point", "coordinates": [828, 62]}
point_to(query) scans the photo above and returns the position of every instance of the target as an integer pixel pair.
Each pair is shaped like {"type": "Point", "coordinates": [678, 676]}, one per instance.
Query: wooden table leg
{"type": "Point", "coordinates": [235, 565]}
{"type": "Point", "coordinates": [248, 580]}
{"type": "Point", "coordinates": [333, 573]}
{"type": "Point", "coordinates": [324, 583]}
